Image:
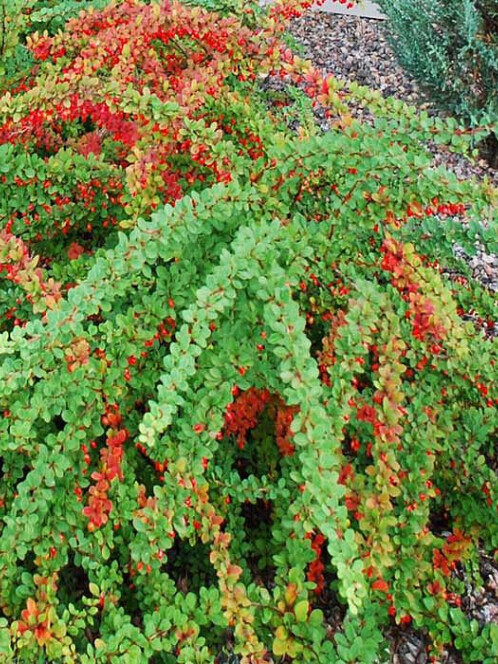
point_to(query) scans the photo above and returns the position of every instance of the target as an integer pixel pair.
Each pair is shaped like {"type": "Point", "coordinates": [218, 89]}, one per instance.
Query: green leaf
{"type": "Point", "coordinates": [301, 610]}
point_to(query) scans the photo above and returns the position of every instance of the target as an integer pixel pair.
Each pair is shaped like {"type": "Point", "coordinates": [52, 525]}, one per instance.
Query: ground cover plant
{"type": "Point", "coordinates": [241, 409]}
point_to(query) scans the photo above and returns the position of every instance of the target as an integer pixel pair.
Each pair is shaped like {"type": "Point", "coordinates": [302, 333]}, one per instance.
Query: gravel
{"type": "Point", "coordinates": [351, 47]}
{"type": "Point", "coordinates": [355, 48]}
{"type": "Point", "coordinates": [484, 266]}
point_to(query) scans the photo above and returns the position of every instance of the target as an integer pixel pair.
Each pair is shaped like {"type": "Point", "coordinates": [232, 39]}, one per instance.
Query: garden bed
{"type": "Point", "coordinates": [355, 48]}
{"type": "Point", "coordinates": [242, 409]}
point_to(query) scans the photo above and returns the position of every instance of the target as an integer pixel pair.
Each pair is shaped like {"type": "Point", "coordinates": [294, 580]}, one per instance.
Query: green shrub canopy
{"type": "Point", "coordinates": [237, 388]}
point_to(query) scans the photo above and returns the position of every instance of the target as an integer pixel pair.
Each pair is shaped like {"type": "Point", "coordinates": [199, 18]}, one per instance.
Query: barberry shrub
{"type": "Point", "coordinates": [241, 406]}
{"type": "Point", "coordinates": [450, 47]}
{"type": "Point", "coordinates": [19, 18]}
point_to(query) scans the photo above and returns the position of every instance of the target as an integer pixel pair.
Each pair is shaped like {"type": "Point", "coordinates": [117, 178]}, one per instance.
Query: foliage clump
{"type": "Point", "coordinates": [236, 385]}
{"type": "Point", "coordinates": [18, 18]}
{"type": "Point", "coordinates": [450, 47]}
